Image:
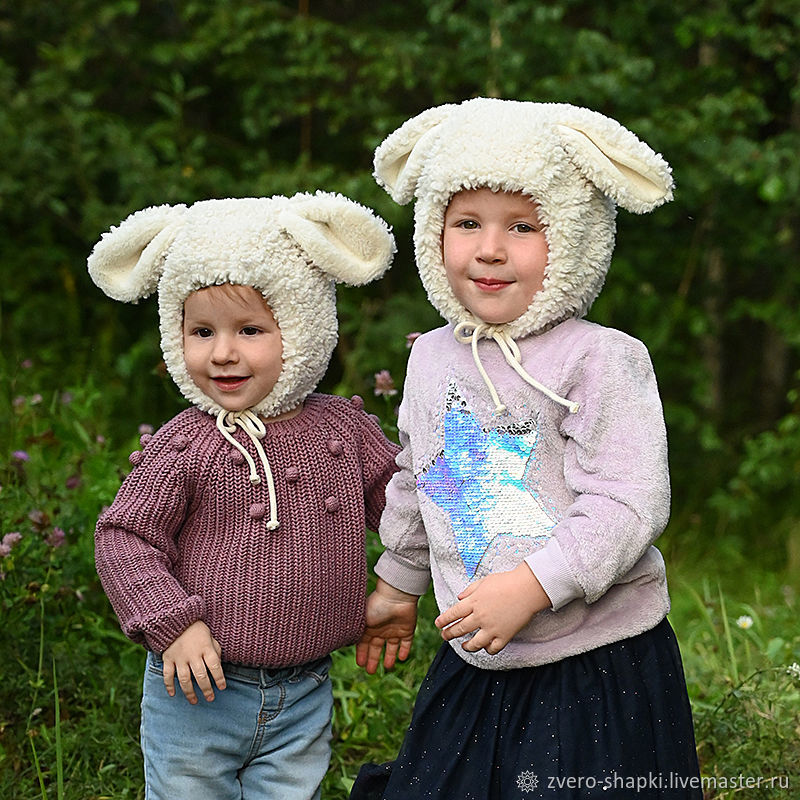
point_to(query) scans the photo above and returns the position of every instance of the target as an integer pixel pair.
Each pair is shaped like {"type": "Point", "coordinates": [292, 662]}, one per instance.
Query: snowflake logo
{"type": "Point", "coordinates": [527, 781]}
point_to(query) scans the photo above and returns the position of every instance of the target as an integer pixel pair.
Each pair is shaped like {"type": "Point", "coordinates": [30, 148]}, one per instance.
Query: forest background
{"type": "Point", "coordinates": [108, 106]}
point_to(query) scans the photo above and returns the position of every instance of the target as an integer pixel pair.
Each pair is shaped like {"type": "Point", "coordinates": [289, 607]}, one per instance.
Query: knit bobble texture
{"type": "Point", "coordinates": [332, 505]}
{"type": "Point", "coordinates": [258, 510]}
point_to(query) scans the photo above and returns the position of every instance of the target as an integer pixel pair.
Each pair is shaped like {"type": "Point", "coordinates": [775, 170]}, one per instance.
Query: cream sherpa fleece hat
{"type": "Point", "coordinates": [575, 163]}
{"type": "Point", "coordinates": [292, 250]}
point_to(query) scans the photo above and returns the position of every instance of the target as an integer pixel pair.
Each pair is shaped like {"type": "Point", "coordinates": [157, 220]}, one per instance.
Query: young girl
{"type": "Point", "coordinates": [234, 551]}
{"type": "Point", "coordinates": [533, 476]}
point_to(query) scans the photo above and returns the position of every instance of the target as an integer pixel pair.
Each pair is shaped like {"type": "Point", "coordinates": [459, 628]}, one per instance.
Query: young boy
{"type": "Point", "coordinates": [234, 550]}
{"type": "Point", "coordinates": [533, 476]}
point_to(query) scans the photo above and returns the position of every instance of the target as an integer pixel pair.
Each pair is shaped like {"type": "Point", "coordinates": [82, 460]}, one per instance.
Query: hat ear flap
{"type": "Point", "coordinates": [401, 156]}
{"type": "Point", "coordinates": [619, 164]}
{"type": "Point", "coordinates": [343, 239]}
{"type": "Point", "coordinates": [128, 260]}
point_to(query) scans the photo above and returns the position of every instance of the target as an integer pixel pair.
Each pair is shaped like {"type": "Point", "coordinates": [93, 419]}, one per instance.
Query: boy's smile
{"type": "Point", "coordinates": [232, 345]}
{"type": "Point", "coordinates": [495, 252]}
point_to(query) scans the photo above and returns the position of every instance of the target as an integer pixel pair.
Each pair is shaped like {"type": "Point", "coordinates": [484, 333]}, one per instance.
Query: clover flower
{"type": "Point", "coordinates": [384, 384]}
{"type": "Point", "coordinates": [9, 540]}
{"type": "Point", "coordinates": [39, 519]}
{"type": "Point", "coordinates": [411, 338]}
{"type": "Point", "coordinates": [745, 622]}
{"type": "Point", "coordinates": [794, 670]}
{"type": "Point", "coordinates": [20, 455]}
{"type": "Point", "coordinates": [57, 538]}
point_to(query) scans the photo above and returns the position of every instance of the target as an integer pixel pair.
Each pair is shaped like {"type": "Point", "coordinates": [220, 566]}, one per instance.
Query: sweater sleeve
{"type": "Point", "coordinates": [136, 546]}
{"type": "Point", "coordinates": [615, 464]}
{"type": "Point", "coordinates": [405, 564]}
{"type": "Point", "coordinates": [379, 455]}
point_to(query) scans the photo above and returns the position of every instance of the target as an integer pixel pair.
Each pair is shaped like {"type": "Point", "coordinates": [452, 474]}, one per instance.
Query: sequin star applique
{"type": "Point", "coordinates": [479, 479]}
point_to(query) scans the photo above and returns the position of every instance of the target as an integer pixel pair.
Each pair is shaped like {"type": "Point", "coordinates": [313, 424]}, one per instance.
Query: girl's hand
{"type": "Point", "coordinates": [194, 653]}
{"type": "Point", "coordinates": [495, 608]}
{"type": "Point", "coordinates": [391, 621]}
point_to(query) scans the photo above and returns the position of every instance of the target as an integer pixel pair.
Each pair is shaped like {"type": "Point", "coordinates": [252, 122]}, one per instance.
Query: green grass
{"type": "Point", "coordinates": [70, 693]}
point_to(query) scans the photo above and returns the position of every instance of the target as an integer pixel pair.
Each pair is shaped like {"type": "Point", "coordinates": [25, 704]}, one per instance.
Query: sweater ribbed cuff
{"type": "Point", "coordinates": [551, 570]}
{"type": "Point", "coordinates": [161, 630]}
{"type": "Point", "coordinates": [402, 574]}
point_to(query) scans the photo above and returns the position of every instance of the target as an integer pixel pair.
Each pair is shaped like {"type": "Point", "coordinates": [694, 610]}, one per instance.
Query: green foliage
{"type": "Point", "coordinates": [57, 470]}
{"type": "Point", "coordinates": [743, 676]}
{"type": "Point", "coordinates": [107, 106]}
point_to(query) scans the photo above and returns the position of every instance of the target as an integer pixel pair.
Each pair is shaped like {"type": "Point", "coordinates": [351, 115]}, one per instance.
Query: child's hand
{"type": "Point", "coordinates": [495, 607]}
{"type": "Point", "coordinates": [195, 652]}
{"type": "Point", "coordinates": [391, 621]}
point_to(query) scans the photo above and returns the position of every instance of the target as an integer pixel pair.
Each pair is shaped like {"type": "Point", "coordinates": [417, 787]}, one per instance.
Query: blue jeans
{"type": "Point", "coordinates": [266, 737]}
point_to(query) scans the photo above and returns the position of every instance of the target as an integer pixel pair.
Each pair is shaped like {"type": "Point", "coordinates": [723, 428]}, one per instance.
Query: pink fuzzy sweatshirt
{"type": "Point", "coordinates": [580, 497]}
{"type": "Point", "coordinates": [186, 538]}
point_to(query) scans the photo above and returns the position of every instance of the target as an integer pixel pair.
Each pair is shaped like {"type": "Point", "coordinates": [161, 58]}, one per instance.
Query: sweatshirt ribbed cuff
{"type": "Point", "coordinates": [551, 570]}
{"type": "Point", "coordinates": [402, 574]}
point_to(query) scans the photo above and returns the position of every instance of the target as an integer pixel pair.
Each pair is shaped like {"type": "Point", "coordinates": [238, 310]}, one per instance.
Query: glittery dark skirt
{"type": "Point", "coordinates": [611, 723]}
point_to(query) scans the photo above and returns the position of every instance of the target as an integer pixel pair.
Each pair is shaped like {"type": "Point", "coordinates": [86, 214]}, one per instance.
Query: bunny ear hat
{"type": "Point", "coordinates": [577, 164]}
{"type": "Point", "coordinates": [293, 250]}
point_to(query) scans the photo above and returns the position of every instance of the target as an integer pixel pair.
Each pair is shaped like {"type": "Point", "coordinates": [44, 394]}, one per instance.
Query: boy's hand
{"type": "Point", "coordinates": [195, 652]}
{"type": "Point", "coordinates": [495, 608]}
{"type": "Point", "coordinates": [391, 621]}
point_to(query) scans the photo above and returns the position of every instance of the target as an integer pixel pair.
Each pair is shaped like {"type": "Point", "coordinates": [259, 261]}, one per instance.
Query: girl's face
{"type": "Point", "coordinates": [494, 251]}
{"type": "Point", "coordinates": [232, 345]}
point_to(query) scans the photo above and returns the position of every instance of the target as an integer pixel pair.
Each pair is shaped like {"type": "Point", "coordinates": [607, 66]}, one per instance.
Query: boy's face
{"type": "Point", "coordinates": [494, 251]}
{"type": "Point", "coordinates": [232, 345]}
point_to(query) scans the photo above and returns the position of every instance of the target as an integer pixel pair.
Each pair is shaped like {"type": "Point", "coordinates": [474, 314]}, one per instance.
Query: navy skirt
{"type": "Point", "coordinates": [611, 723]}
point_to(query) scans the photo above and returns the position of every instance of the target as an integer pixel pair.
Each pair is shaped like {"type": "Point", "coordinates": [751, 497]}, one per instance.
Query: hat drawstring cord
{"type": "Point", "coordinates": [255, 428]}
{"type": "Point", "coordinates": [469, 333]}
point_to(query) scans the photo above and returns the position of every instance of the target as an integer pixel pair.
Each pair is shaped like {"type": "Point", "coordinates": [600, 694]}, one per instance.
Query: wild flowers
{"type": "Point", "coordinates": [384, 384]}
{"type": "Point", "coordinates": [57, 538]}
{"type": "Point", "coordinates": [9, 540]}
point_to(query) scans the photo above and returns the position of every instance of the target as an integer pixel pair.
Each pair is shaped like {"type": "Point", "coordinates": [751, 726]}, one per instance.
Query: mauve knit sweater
{"type": "Point", "coordinates": [186, 538]}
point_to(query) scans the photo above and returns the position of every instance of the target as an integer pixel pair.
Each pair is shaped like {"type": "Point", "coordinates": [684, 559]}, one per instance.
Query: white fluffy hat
{"type": "Point", "coordinates": [576, 163]}
{"type": "Point", "coordinates": [293, 250]}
